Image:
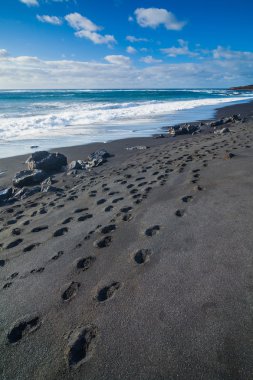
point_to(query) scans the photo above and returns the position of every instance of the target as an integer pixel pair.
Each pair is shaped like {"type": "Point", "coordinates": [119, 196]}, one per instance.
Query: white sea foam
{"type": "Point", "coordinates": [72, 119]}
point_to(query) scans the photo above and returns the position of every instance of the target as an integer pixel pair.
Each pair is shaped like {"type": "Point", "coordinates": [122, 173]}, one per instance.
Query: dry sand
{"type": "Point", "coordinates": [142, 269]}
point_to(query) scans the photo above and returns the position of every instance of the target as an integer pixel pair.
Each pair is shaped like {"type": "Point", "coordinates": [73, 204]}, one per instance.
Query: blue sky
{"type": "Point", "coordinates": [125, 43]}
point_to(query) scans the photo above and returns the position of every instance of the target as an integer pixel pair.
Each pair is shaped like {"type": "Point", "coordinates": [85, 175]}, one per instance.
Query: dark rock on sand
{"type": "Point", "coordinates": [186, 129]}
{"type": "Point", "coordinates": [26, 192]}
{"type": "Point", "coordinates": [98, 154]}
{"type": "Point", "coordinates": [47, 186]}
{"type": "Point", "coordinates": [5, 194]}
{"type": "Point", "coordinates": [46, 161]}
{"type": "Point", "coordinates": [97, 158]}
{"type": "Point", "coordinates": [225, 120]}
{"type": "Point", "coordinates": [221, 131]}
{"type": "Point", "coordinates": [77, 165]}
{"type": "Point", "coordinates": [28, 178]}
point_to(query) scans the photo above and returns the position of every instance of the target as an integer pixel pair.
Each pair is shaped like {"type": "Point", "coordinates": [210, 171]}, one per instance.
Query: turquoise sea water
{"type": "Point", "coordinates": [56, 118]}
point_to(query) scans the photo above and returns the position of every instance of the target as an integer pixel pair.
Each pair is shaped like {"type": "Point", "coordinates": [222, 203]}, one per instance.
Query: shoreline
{"type": "Point", "coordinates": [12, 164]}
{"type": "Point", "coordinates": [218, 112]}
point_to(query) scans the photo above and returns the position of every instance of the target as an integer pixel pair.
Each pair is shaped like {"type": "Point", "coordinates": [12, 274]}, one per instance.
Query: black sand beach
{"type": "Point", "coordinates": [141, 268]}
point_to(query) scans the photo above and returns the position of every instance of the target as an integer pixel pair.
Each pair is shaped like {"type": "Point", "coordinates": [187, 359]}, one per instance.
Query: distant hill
{"type": "Point", "coordinates": [249, 88]}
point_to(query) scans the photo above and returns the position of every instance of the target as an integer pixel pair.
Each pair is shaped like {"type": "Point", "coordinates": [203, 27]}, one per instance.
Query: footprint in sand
{"type": "Point", "coordinates": [186, 198]}
{"type": "Point", "coordinates": [79, 210]}
{"type": "Point", "coordinates": [116, 200]}
{"type": "Point", "coordinates": [180, 213]}
{"type": "Point", "coordinates": [126, 209]}
{"type": "Point", "coordinates": [23, 327]}
{"type": "Point", "coordinates": [81, 345]}
{"type": "Point", "coordinates": [142, 256]}
{"type": "Point", "coordinates": [57, 256]}
{"type": "Point", "coordinates": [30, 247]}
{"type": "Point", "coordinates": [151, 231]}
{"type": "Point", "coordinates": [70, 291]}
{"type": "Point", "coordinates": [12, 276]}
{"type": "Point", "coordinates": [84, 217]}
{"type": "Point", "coordinates": [127, 217]}
{"type": "Point", "coordinates": [108, 208]}
{"type": "Point", "coordinates": [107, 292]}
{"type": "Point", "coordinates": [103, 243]}
{"type": "Point", "coordinates": [68, 220]}
{"type": "Point", "coordinates": [199, 188]}
{"type": "Point", "coordinates": [7, 285]}
{"type": "Point", "coordinates": [39, 229]}
{"type": "Point", "coordinates": [37, 270]}
{"type": "Point", "coordinates": [107, 229]}
{"type": "Point", "coordinates": [2, 263]}
{"type": "Point", "coordinates": [85, 263]}
{"type": "Point", "coordinates": [60, 232]}
{"type": "Point", "coordinates": [14, 243]}
{"type": "Point", "coordinates": [16, 231]}
{"type": "Point", "coordinates": [101, 201]}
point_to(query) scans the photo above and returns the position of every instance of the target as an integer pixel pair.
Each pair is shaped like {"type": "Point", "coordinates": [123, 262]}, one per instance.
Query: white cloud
{"type": "Point", "coordinates": [118, 60]}
{"type": "Point", "coordinates": [135, 39]}
{"type": "Point", "coordinates": [3, 53]}
{"type": "Point", "coordinates": [118, 72]}
{"type": "Point", "coordinates": [96, 38]}
{"type": "Point", "coordinates": [183, 49]}
{"type": "Point", "coordinates": [30, 3]}
{"type": "Point", "coordinates": [131, 50]}
{"type": "Point", "coordinates": [87, 29]}
{"type": "Point", "coordinates": [226, 53]}
{"type": "Point", "coordinates": [154, 17]}
{"type": "Point", "coordinates": [49, 19]}
{"type": "Point", "coordinates": [149, 59]}
{"type": "Point", "coordinates": [130, 19]}
{"type": "Point", "coordinates": [79, 22]}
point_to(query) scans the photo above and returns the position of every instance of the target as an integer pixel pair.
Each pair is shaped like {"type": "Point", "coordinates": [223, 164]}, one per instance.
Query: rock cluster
{"type": "Point", "coordinates": [41, 165]}
{"type": "Point", "coordinates": [225, 120]}
{"type": "Point", "coordinates": [186, 129]}
{"type": "Point", "coordinates": [217, 127]}
{"type": "Point", "coordinates": [95, 159]}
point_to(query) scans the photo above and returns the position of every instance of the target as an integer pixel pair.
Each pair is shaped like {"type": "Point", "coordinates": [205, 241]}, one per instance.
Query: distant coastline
{"type": "Point", "coordinates": [243, 88]}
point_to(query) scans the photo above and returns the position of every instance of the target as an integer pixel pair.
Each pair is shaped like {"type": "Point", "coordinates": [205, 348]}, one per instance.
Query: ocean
{"type": "Point", "coordinates": [55, 118]}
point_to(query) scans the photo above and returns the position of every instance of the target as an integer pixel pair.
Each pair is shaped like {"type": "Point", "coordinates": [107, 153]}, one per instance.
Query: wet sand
{"type": "Point", "coordinates": [141, 269]}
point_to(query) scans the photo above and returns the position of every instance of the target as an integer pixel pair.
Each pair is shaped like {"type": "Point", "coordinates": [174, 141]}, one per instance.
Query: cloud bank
{"type": "Point", "coordinates": [117, 71]}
